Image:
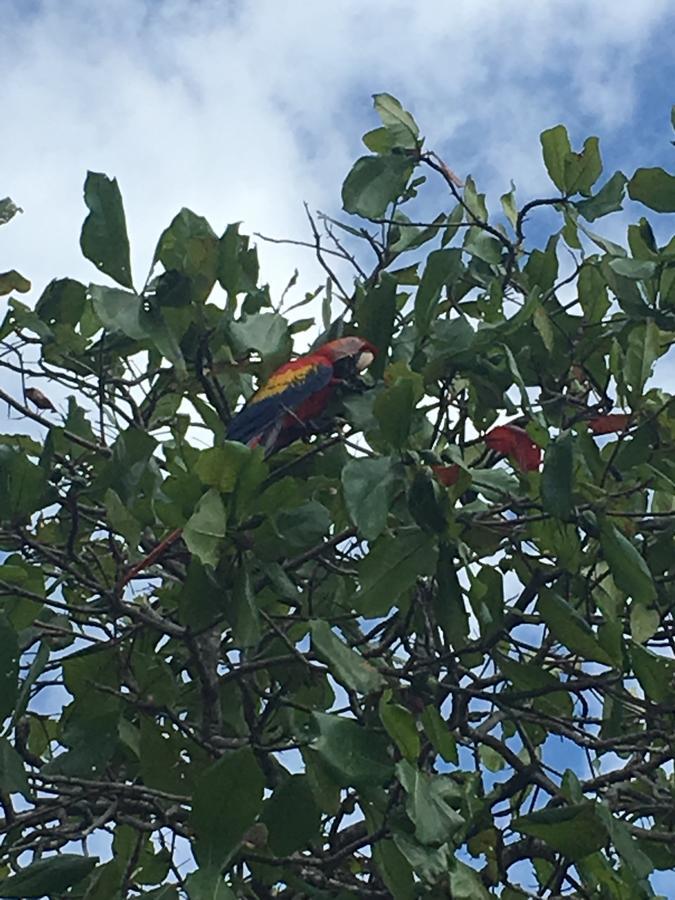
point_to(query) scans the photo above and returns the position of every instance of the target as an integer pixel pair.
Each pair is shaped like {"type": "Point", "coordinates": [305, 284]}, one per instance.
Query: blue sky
{"type": "Point", "coordinates": [242, 111]}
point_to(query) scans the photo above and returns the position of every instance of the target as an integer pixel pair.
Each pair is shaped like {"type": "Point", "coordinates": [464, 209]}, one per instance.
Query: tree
{"type": "Point", "coordinates": [427, 651]}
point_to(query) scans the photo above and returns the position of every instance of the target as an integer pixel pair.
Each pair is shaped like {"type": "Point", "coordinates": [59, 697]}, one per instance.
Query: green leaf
{"type": "Point", "coordinates": [608, 199]}
{"type": "Point", "coordinates": [398, 122]}
{"type": "Point", "coordinates": [654, 672]}
{"type": "Point", "coordinates": [556, 477]}
{"type": "Point", "coordinates": [233, 468]}
{"type": "Point", "coordinates": [48, 876]}
{"type": "Point", "coordinates": [400, 726]}
{"type": "Point", "coordinates": [368, 487]}
{"type": "Point", "coordinates": [291, 815]}
{"type": "Point", "coordinates": [436, 730]}
{"type": "Point", "coordinates": [428, 503]}
{"type": "Point", "coordinates": [13, 778]}
{"type": "Point", "coordinates": [583, 169]}
{"type": "Point", "coordinates": [655, 188]}
{"type": "Point", "coordinates": [642, 351]}
{"type": "Point", "coordinates": [207, 884]}
{"type": "Point", "coordinates": [354, 755]}
{"type": "Point", "coordinates": [8, 209]}
{"type": "Point", "coordinates": [119, 311]}
{"type": "Point", "coordinates": [390, 568]}
{"type": "Point", "coordinates": [190, 246]}
{"type": "Point", "coordinates": [373, 183]}
{"type": "Point", "coordinates": [23, 485]}
{"type": "Point", "coordinates": [568, 627]}
{"type": "Point", "coordinates": [347, 666]}
{"type": "Point", "coordinates": [440, 266]}
{"type": "Point", "coordinates": [265, 332]}
{"type": "Point", "coordinates": [304, 525]}
{"type": "Point", "coordinates": [226, 801]}
{"type": "Point", "coordinates": [13, 281]}
{"type": "Point", "coordinates": [393, 408]}
{"type": "Point", "coordinates": [627, 565]}
{"type": "Point", "coordinates": [637, 269]}
{"type": "Point", "coordinates": [556, 146]}
{"type": "Point", "coordinates": [104, 238]}
{"type": "Point", "coordinates": [376, 313]}
{"type": "Point", "coordinates": [465, 883]}
{"type": "Point", "coordinates": [121, 519]}
{"type": "Point", "coordinates": [575, 831]}
{"type": "Point", "coordinates": [644, 622]}
{"type": "Point", "coordinates": [529, 677]}
{"type": "Point", "coordinates": [509, 205]}
{"type": "Point", "coordinates": [205, 528]}
{"type": "Point", "coordinates": [62, 302]}
{"type": "Point", "coordinates": [427, 805]}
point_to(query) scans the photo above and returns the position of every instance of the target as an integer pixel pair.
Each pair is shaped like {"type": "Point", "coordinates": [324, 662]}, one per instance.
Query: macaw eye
{"type": "Point", "coordinates": [364, 360]}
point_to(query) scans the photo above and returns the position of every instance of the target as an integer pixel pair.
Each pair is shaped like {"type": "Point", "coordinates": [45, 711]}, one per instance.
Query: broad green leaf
{"type": "Point", "coordinates": [394, 406]}
{"type": "Point", "coordinates": [627, 565]}
{"type": "Point", "coordinates": [642, 352]}
{"type": "Point", "coordinates": [487, 600]}
{"type": "Point", "coordinates": [205, 528]}
{"type": "Point", "coordinates": [8, 209]}
{"type": "Point", "coordinates": [607, 200]}
{"type": "Point", "coordinates": [644, 622]}
{"type": "Point", "coordinates": [626, 845]}
{"type": "Point", "coordinates": [583, 169]}
{"type": "Point", "coordinates": [575, 830]}
{"type": "Point", "coordinates": [104, 238]}
{"type": "Point", "coordinates": [390, 568]}
{"type": "Point", "coordinates": [542, 266]}
{"type": "Point", "coordinates": [428, 503]}
{"type": "Point", "coordinates": [654, 672]}
{"type": "Point", "coordinates": [556, 146]}
{"type": "Point", "coordinates": [347, 666]}
{"type": "Point", "coordinates": [654, 187]}
{"type": "Point", "coordinates": [13, 777]}
{"type": "Point", "coordinates": [373, 183]}
{"type": "Point", "coordinates": [368, 486]}
{"type": "Point", "coordinates": [119, 311]}
{"type": "Point", "coordinates": [436, 729]}
{"type": "Point", "coordinates": [400, 726]}
{"type": "Point", "coordinates": [13, 281]}
{"type": "Point", "coordinates": [637, 269]}
{"type": "Point", "coordinates": [529, 677]}
{"type": "Point", "coordinates": [232, 468]}
{"type": "Point", "coordinates": [354, 755]}
{"type": "Point", "coordinates": [440, 266]}
{"type": "Point", "coordinates": [62, 302]}
{"type": "Point", "coordinates": [376, 312]}
{"type": "Point", "coordinates": [556, 477]}
{"type": "Point", "coordinates": [568, 627]}
{"type": "Point", "coordinates": [465, 883]}
{"type": "Point", "coordinates": [48, 876]}
{"type": "Point", "coordinates": [265, 332]}
{"type": "Point", "coordinates": [395, 869]}
{"type": "Point", "coordinates": [190, 246]}
{"type": "Point", "coordinates": [207, 884]}
{"type": "Point", "coordinates": [226, 801]}
{"type": "Point", "coordinates": [427, 805]}
{"type": "Point", "coordinates": [23, 486]}
{"type": "Point", "coordinates": [398, 122]}
{"type": "Point", "coordinates": [242, 611]}
{"type": "Point", "coordinates": [449, 606]}
{"type": "Point", "coordinates": [121, 519]}
{"type": "Point", "coordinates": [305, 525]}
{"type": "Point", "coordinates": [482, 245]}
{"type": "Point", "coordinates": [291, 815]}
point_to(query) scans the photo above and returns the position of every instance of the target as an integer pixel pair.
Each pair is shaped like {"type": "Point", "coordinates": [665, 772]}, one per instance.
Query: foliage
{"type": "Point", "coordinates": [395, 659]}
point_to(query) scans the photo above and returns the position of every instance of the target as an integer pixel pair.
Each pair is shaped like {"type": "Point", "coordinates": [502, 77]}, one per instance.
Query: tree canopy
{"type": "Point", "coordinates": [425, 651]}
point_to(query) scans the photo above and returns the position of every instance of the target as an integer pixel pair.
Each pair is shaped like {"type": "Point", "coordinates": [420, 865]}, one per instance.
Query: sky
{"type": "Point", "coordinates": [243, 111]}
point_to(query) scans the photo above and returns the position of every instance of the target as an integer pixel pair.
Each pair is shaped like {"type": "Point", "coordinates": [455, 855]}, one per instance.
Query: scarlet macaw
{"type": "Point", "coordinates": [298, 392]}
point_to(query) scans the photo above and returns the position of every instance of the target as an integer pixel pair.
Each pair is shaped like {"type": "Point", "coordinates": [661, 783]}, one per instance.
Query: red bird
{"type": "Point", "coordinates": [298, 392]}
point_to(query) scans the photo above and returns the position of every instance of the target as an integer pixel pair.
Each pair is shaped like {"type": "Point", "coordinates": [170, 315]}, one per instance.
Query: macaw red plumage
{"type": "Point", "coordinates": [298, 392]}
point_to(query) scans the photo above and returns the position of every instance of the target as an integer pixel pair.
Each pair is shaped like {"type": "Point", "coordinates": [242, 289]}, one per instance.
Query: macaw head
{"type": "Point", "coordinates": [359, 352]}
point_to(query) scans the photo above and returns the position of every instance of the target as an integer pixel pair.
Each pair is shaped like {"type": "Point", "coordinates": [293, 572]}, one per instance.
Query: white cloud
{"type": "Point", "coordinates": [242, 111]}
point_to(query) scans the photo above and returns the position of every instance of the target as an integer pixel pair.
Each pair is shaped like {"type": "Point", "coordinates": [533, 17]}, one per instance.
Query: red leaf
{"type": "Point", "coordinates": [446, 475]}
{"type": "Point", "coordinates": [609, 424]}
{"type": "Point", "coordinates": [513, 441]}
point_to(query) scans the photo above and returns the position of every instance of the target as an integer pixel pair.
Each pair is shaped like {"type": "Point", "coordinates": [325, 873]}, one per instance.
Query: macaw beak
{"type": "Point", "coordinates": [364, 359]}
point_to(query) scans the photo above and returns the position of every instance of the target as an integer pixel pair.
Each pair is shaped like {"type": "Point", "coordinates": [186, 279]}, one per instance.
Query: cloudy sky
{"type": "Point", "coordinates": [242, 111]}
